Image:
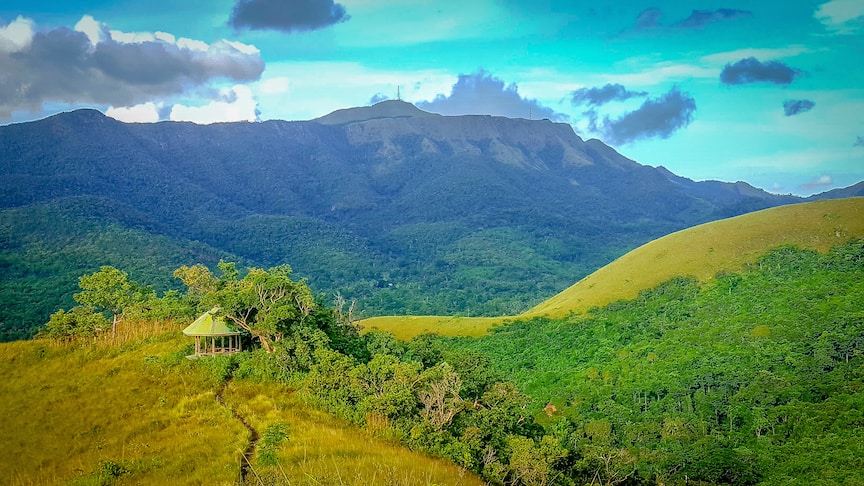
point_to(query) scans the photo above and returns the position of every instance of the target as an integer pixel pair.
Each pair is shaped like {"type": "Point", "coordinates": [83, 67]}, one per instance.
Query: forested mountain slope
{"type": "Point", "coordinates": [402, 210]}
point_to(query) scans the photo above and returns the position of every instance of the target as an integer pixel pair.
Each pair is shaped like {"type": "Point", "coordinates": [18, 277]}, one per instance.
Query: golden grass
{"type": "Point", "coordinates": [323, 450]}
{"type": "Point", "coordinates": [407, 327]}
{"type": "Point", "coordinates": [705, 250]}
{"type": "Point", "coordinates": [66, 409]}
{"type": "Point", "coordinates": [701, 251]}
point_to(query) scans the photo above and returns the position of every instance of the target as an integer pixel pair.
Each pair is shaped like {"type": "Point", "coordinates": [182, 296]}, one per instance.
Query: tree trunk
{"type": "Point", "coordinates": [265, 343]}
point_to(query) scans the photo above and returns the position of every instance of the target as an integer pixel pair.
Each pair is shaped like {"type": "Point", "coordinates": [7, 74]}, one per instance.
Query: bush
{"type": "Point", "coordinates": [78, 322]}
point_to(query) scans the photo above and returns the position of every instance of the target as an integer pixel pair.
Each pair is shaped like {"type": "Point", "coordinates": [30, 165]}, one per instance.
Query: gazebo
{"type": "Point", "coordinates": [213, 335]}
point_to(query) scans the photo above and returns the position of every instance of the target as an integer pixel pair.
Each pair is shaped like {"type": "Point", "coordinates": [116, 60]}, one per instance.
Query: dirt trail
{"type": "Point", "coordinates": [249, 452]}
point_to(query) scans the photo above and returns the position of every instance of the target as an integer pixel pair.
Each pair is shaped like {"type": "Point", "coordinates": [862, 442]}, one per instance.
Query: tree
{"type": "Point", "coordinates": [266, 303]}
{"type": "Point", "coordinates": [440, 399]}
{"type": "Point", "coordinates": [78, 322]}
{"type": "Point", "coordinates": [533, 464]}
{"type": "Point", "coordinates": [109, 290]}
{"type": "Point", "coordinates": [201, 283]}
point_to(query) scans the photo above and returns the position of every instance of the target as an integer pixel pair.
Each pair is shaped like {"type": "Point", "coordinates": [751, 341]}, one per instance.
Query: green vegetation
{"type": "Point", "coordinates": [136, 411]}
{"type": "Point", "coordinates": [756, 376]}
{"type": "Point", "coordinates": [45, 248]}
{"type": "Point", "coordinates": [457, 215]}
{"type": "Point", "coordinates": [702, 252]}
{"type": "Point", "coordinates": [752, 376]}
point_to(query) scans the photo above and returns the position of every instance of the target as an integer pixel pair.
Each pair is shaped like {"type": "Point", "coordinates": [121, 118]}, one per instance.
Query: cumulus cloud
{"type": "Point", "coordinates": [701, 18]}
{"type": "Point", "coordinates": [286, 15]}
{"type": "Point", "coordinates": [818, 183]}
{"type": "Point", "coordinates": [16, 36]}
{"type": "Point", "coordinates": [95, 65]}
{"type": "Point", "coordinates": [143, 113]}
{"type": "Point", "coordinates": [481, 93]}
{"type": "Point", "coordinates": [234, 104]}
{"type": "Point", "coordinates": [751, 70]}
{"type": "Point", "coordinates": [796, 107]}
{"type": "Point", "coordinates": [604, 94]}
{"type": "Point", "coordinates": [657, 117]}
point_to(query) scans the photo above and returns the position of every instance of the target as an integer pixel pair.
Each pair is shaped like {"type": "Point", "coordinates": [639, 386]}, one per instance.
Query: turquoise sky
{"type": "Point", "coordinates": [771, 93]}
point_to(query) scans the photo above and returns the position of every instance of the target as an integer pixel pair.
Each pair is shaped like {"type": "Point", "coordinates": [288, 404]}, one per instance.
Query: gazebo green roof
{"type": "Point", "coordinates": [207, 325]}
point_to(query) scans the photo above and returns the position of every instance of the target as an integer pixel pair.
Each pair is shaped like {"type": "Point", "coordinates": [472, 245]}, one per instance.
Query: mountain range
{"type": "Point", "coordinates": [402, 210]}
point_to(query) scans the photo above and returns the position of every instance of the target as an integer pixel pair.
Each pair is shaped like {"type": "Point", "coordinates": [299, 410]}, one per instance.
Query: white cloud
{"type": "Point", "coordinates": [122, 70]}
{"type": "Point", "coordinates": [825, 180]}
{"type": "Point", "coordinates": [247, 49]}
{"type": "Point", "coordinates": [277, 85]}
{"type": "Point", "coordinates": [237, 104]}
{"type": "Point", "coordinates": [837, 15]}
{"type": "Point", "coordinates": [759, 53]}
{"type": "Point", "coordinates": [143, 113]}
{"type": "Point", "coordinates": [661, 73]}
{"type": "Point", "coordinates": [192, 44]}
{"type": "Point", "coordinates": [94, 30]}
{"type": "Point", "coordinates": [16, 36]}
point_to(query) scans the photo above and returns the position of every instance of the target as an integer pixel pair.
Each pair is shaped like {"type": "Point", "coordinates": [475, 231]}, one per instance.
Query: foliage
{"type": "Point", "coordinates": [754, 376]}
{"type": "Point", "coordinates": [270, 442]}
{"type": "Point", "coordinates": [141, 413]}
{"type": "Point", "coordinates": [79, 322]}
{"type": "Point", "coordinates": [420, 232]}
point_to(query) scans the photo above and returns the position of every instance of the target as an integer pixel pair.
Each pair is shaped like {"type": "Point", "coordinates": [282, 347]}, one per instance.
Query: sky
{"type": "Point", "coordinates": [770, 93]}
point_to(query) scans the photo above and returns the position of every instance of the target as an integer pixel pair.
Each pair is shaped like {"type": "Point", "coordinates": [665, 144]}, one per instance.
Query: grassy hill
{"type": "Point", "coordinates": [707, 249]}
{"type": "Point", "coordinates": [141, 413]}
{"type": "Point", "coordinates": [702, 252]}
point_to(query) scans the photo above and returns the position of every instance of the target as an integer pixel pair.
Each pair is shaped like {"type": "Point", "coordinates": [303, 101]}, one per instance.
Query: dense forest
{"type": "Point", "coordinates": [753, 377]}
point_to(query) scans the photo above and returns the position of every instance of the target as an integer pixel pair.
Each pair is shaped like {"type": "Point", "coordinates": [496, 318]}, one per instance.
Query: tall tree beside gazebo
{"type": "Point", "coordinates": [266, 303]}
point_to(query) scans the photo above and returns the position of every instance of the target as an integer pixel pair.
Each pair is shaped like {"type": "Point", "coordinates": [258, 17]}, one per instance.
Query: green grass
{"type": "Point", "coordinates": [137, 410]}
{"type": "Point", "coordinates": [702, 252]}
{"type": "Point", "coordinates": [323, 450]}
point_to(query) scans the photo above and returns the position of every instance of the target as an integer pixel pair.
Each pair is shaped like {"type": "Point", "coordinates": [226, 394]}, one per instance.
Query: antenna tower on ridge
{"type": "Point", "coordinates": [398, 93]}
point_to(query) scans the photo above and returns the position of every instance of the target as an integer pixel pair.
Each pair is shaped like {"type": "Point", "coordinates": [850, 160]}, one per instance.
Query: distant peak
{"type": "Point", "coordinates": [384, 109]}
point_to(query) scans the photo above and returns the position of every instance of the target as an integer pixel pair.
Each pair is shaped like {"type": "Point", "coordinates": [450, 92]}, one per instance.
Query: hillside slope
{"type": "Point", "coordinates": [754, 377]}
{"type": "Point", "coordinates": [702, 252]}
{"type": "Point", "coordinates": [141, 413]}
{"type": "Point", "coordinates": [705, 250]}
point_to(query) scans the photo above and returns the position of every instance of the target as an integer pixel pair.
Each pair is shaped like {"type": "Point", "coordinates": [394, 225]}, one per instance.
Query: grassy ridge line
{"type": "Point", "coordinates": [406, 327]}
{"type": "Point", "coordinates": [705, 250]}
{"type": "Point", "coordinates": [701, 251]}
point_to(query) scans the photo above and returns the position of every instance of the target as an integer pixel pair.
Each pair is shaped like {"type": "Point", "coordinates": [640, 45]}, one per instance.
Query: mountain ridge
{"type": "Point", "coordinates": [421, 213]}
